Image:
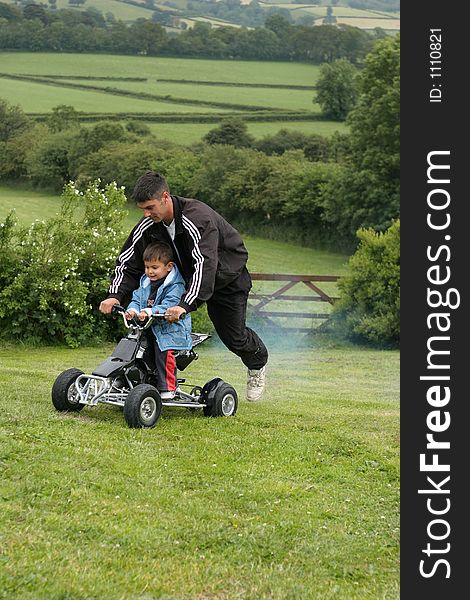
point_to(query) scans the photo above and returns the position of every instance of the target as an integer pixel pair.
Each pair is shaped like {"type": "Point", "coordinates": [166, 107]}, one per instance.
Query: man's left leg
{"type": "Point", "coordinates": [227, 311]}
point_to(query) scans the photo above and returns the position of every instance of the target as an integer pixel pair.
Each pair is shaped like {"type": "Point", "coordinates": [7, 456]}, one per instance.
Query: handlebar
{"type": "Point", "coordinates": [117, 309]}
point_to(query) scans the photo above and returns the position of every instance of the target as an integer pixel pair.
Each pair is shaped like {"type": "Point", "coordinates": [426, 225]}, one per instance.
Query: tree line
{"type": "Point", "coordinates": [35, 29]}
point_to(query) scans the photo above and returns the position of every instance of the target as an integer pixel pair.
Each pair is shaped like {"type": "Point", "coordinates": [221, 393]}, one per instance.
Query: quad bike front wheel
{"type": "Point", "coordinates": [65, 396]}
{"type": "Point", "coordinates": [143, 406]}
{"type": "Point", "coordinates": [221, 399]}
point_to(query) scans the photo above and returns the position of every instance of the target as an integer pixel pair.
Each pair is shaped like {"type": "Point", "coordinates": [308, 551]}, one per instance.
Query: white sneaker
{"type": "Point", "coordinates": [167, 395]}
{"type": "Point", "coordinates": [255, 384]}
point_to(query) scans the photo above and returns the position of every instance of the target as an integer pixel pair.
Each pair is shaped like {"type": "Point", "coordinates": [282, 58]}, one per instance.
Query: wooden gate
{"type": "Point", "coordinates": [264, 303]}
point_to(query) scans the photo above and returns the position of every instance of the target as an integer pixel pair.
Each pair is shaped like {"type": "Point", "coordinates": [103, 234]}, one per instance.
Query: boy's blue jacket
{"type": "Point", "coordinates": [170, 336]}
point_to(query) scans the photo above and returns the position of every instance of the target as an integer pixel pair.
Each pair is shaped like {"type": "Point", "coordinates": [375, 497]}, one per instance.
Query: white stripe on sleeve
{"type": "Point", "coordinates": [127, 254]}
{"type": "Point", "coordinates": [193, 291]}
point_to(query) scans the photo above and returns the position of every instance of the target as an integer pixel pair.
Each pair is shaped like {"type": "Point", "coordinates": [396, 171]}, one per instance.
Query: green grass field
{"type": "Point", "coordinates": [188, 133]}
{"type": "Point", "coordinates": [41, 97]}
{"type": "Point", "coordinates": [295, 497]}
{"type": "Point", "coordinates": [355, 17]}
{"type": "Point", "coordinates": [127, 12]}
{"type": "Point", "coordinates": [264, 97]}
{"type": "Point", "coordinates": [156, 67]}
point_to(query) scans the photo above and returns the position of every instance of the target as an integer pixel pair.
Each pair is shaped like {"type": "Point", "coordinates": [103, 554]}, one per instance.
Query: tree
{"type": "Point", "coordinates": [138, 127]}
{"type": "Point", "coordinates": [13, 121]}
{"type": "Point", "coordinates": [35, 11]}
{"type": "Point", "coordinates": [336, 89]}
{"type": "Point", "coordinates": [56, 271]}
{"type": "Point", "coordinates": [62, 117]}
{"type": "Point", "coordinates": [9, 12]}
{"type": "Point", "coordinates": [367, 191]}
{"type": "Point", "coordinates": [369, 309]}
{"type": "Point", "coordinates": [330, 19]}
{"type": "Point", "coordinates": [232, 131]}
{"type": "Point", "coordinates": [47, 163]}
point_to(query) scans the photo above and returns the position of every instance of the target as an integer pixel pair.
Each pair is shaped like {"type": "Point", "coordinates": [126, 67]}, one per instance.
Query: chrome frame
{"type": "Point", "coordinates": [93, 389]}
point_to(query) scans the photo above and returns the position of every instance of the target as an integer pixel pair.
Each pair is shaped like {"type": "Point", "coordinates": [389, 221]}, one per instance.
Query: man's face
{"type": "Point", "coordinates": [158, 209]}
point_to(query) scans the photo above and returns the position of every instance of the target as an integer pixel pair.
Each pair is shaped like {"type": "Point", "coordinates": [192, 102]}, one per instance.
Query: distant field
{"type": "Point", "coordinates": [267, 97]}
{"type": "Point", "coordinates": [188, 133]}
{"type": "Point", "coordinates": [351, 16]}
{"type": "Point", "coordinates": [237, 86]}
{"type": "Point", "coordinates": [157, 67]}
{"type": "Point", "coordinates": [190, 22]}
{"type": "Point", "coordinates": [355, 17]}
{"type": "Point", "coordinates": [387, 24]}
{"type": "Point", "coordinates": [121, 10]}
{"type": "Point", "coordinates": [39, 97]}
{"type": "Point", "coordinates": [338, 11]}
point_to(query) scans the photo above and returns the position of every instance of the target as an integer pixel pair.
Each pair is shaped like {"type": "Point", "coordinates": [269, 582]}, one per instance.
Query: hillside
{"type": "Point", "coordinates": [179, 15]}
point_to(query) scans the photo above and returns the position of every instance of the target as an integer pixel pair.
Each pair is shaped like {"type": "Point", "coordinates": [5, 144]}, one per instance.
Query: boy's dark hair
{"type": "Point", "coordinates": [159, 251]}
{"type": "Point", "coordinates": [149, 185]}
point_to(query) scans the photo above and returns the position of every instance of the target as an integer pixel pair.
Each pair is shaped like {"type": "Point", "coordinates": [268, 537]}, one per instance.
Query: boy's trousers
{"type": "Point", "coordinates": [165, 370]}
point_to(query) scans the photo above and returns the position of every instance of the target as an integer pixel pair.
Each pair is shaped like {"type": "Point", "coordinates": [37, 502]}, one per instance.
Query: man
{"type": "Point", "coordinates": [212, 258]}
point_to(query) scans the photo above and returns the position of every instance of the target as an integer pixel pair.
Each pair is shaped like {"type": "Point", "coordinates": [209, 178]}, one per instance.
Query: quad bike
{"type": "Point", "coordinates": [127, 379]}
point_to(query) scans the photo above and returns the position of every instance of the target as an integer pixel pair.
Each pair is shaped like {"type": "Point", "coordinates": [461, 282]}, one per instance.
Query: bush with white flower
{"type": "Point", "coordinates": [54, 273]}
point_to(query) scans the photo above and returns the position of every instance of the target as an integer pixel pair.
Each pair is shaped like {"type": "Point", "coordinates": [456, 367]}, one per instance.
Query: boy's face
{"type": "Point", "coordinates": [154, 269]}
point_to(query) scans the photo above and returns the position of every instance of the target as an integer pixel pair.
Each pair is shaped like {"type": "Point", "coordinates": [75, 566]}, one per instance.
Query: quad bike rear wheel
{"type": "Point", "coordinates": [221, 399]}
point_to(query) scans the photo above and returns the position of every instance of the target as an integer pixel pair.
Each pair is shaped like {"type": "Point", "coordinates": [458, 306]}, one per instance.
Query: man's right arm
{"type": "Point", "coordinates": [129, 267]}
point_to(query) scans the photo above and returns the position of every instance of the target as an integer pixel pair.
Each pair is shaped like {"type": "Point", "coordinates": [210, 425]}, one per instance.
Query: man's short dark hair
{"type": "Point", "coordinates": [159, 251]}
{"type": "Point", "coordinates": [149, 185]}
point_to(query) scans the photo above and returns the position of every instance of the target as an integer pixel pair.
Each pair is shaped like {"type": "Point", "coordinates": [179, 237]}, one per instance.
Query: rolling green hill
{"type": "Point", "coordinates": [179, 98]}
{"type": "Point", "coordinates": [131, 10]}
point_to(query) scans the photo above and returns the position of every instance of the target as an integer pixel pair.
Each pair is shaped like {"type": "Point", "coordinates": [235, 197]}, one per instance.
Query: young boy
{"type": "Point", "coordinates": [160, 288]}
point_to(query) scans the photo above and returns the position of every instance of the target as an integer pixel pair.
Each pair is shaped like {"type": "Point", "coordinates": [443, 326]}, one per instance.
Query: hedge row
{"type": "Point", "coordinates": [84, 77]}
{"type": "Point", "coordinates": [139, 95]}
{"type": "Point", "coordinates": [188, 118]}
{"type": "Point", "coordinates": [274, 86]}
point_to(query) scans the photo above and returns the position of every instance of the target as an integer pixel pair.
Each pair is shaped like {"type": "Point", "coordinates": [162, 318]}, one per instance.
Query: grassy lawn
{"type": "Point", "coordinates": [294, 497]}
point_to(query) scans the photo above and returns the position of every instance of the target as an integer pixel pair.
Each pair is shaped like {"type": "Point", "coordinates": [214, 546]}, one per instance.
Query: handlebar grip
{"type": "Point", "coordinates": [117, 309]}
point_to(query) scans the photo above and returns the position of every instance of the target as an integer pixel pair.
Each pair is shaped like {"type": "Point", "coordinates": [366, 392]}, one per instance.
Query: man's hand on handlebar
{"type": "Point", "coordinates": [174, 313]}
{"type": "Point", "coordinates": [107, 305]}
